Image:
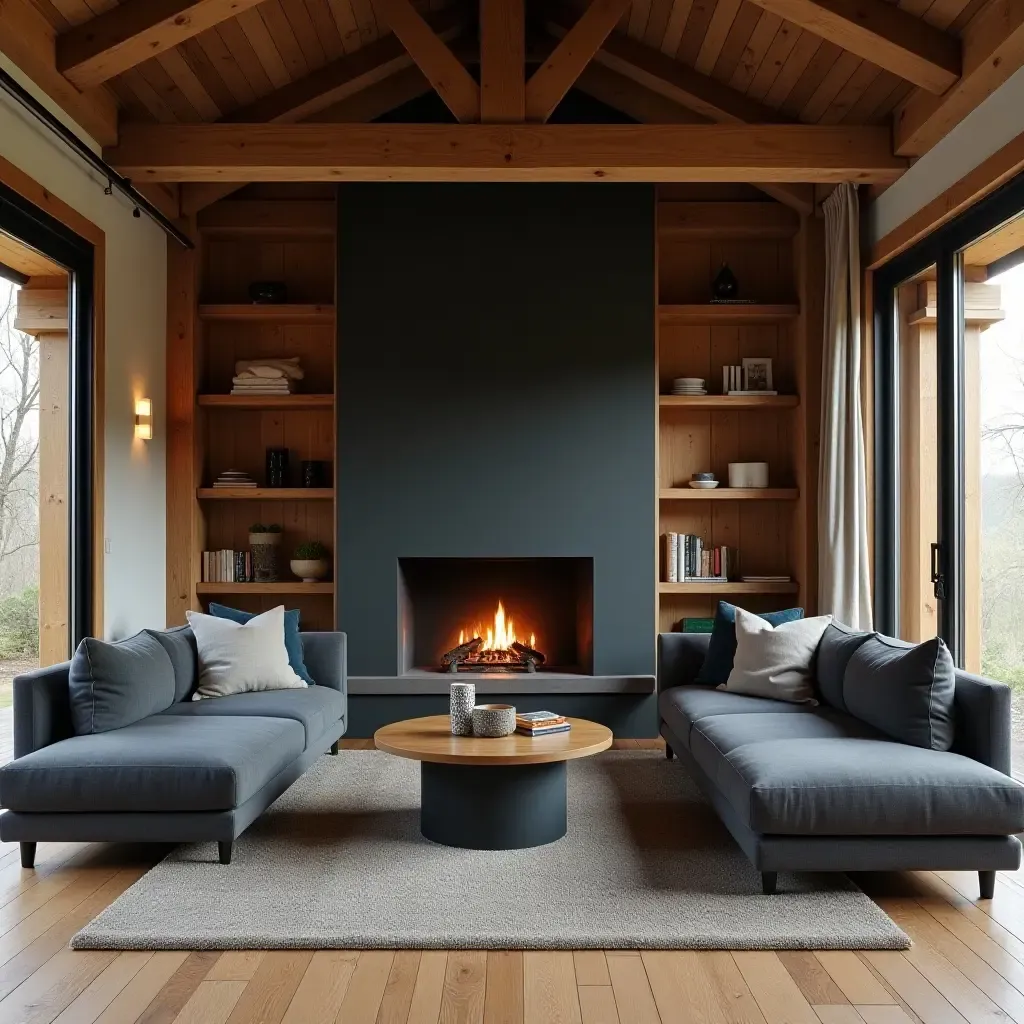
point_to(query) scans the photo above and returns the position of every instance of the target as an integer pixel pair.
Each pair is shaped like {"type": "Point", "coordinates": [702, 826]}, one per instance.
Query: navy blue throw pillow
{"type": "Point", "coordinates": [292, 640]}
{"type": "Point", "coordinates": [722, 647]}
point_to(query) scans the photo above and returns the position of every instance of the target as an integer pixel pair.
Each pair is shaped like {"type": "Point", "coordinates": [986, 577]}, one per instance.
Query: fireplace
{"type": "Point", "coordinates": [490, 616]}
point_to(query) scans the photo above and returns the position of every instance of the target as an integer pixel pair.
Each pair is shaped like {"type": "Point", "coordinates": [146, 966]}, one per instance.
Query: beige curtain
{"type": "Point", "coordinates": [844, 579]}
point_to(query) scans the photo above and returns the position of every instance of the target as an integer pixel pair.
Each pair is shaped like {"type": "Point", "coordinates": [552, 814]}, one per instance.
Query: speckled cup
{"type": "Point", "coordinates": [493, 720]}
{"type": "Point", "coordinates": [462, 697]}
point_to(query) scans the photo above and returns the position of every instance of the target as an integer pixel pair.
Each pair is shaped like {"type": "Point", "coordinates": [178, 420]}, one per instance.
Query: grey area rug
{"type": "Point", "coordinates": [338, 862]}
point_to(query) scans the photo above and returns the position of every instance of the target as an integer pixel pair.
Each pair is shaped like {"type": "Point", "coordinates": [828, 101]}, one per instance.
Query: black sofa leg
{"type": "Point", "coordinates": [28, 855]}
{"type": "Point", "coordinates": [668, 752]}
{"type": "Point", "coordinates": [769, 882]}
{"type": "Point", "coordinates": [334, 748]}
{"type": "Point", "coordinates": [225, 849]}
{"type": "Point", "coordinates": [987, 884]}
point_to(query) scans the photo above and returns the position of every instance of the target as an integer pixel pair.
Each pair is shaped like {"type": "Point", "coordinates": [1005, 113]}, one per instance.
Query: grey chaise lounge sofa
{"type": "Point", "coordinates": [805, 788]}
{"type": "Point", "coordinates": [198, 771]}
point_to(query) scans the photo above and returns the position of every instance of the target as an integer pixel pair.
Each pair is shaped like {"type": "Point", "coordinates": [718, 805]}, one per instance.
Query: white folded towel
{"type": "Point", "coordinates": [271, 367]}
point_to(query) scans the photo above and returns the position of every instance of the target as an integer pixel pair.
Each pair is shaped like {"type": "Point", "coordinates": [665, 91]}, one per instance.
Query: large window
{"type": "Point", "coordinates": [949, 354]}
{"type": "Point", "coordinates": [46, 444]}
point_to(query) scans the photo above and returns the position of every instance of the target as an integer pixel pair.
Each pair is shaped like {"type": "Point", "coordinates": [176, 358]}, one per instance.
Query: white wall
{"type": "Point", "coordinates": [136, 308]}
{"type": "Point", "coordinates": [989, 127]}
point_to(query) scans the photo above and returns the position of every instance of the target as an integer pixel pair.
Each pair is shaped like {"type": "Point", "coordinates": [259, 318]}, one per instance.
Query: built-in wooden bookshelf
{"type": "Point", "coordinates": [777, 258]}
{"type": "Point", "coordinates": [280, 233]}
{"type": "Point", "coordinates": [729, 494]}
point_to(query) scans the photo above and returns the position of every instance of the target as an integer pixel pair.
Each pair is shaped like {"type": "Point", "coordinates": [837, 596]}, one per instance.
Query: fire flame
{"type": "Point", "coordinates": [498, 637]}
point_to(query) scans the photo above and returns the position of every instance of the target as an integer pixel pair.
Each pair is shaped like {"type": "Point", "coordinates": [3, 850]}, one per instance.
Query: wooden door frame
{"type": "Point", "coordinates": [30, 190]}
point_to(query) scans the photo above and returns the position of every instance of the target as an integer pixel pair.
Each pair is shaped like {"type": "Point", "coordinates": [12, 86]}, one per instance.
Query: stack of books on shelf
{"type": "Point", "coordinates": [227, 567]}
{"type": "Point", "coordinates": [687, 559]}
{"type": "Point", "coordinates": [234, 478]}
{"type": "Point", "coordinates": [540, 723]}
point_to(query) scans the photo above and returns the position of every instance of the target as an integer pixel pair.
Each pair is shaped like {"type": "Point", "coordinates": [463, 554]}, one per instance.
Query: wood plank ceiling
{"type": "Point", "coordinates": [748, 47]}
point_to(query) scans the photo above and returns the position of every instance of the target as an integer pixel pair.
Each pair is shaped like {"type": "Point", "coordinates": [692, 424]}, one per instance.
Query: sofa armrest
{"type": "Point", "coordinates": [680, 656]}
{"type": "Point", "coordinates": [326, 658]}
{"type": "Point", "coordinates": [42, 708]}
{"type": "Point", "coordinates": [983, 720]}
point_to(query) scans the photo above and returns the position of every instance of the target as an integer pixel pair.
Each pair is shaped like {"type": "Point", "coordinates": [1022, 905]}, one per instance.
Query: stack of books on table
{"type": "Point", "coordinates": [540, 723]}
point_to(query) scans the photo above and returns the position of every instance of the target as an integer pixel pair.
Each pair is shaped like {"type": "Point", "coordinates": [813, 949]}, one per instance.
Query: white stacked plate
{"type": "Point", "coordinates": [688, 386]}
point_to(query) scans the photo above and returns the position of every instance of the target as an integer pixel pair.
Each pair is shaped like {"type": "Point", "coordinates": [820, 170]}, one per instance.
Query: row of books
{"type": "Point", "coordinates": [686, 557]}
{"type": "Point", "coordinates": [540, 723]}
{"type": "Point", "coordinates": [227, 567]}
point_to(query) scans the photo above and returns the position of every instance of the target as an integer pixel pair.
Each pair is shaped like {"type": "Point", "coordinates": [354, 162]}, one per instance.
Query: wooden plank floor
{"type": "Point", "coordinates": [966, 967]}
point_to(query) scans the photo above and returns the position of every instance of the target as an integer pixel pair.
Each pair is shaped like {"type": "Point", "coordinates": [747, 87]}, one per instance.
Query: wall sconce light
{"type": "Point", "coordinates": [144, 419]}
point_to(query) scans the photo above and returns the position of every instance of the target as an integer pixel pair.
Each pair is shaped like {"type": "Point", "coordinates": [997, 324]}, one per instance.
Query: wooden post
{"type": "Point", "coordinates": [184, 429]}
{"type": "Point", "coordinates": [43, 314]}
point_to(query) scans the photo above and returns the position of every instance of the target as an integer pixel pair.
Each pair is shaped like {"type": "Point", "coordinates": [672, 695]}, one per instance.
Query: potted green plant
{"type": "Point", "coordinates": [264, 542]}
{"type": "Point", "coordinates": [311, 562]}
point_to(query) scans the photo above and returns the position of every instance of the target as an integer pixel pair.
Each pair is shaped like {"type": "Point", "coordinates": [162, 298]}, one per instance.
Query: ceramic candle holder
{"type": "Point", "coordinates": [462, 697]}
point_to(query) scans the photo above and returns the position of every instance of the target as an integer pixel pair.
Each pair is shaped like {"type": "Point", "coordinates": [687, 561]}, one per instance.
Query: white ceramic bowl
{"type": "Point", "coordinates": [310, 570]}
{"type": "Point", "coordinates": [704, 485]}
{"type": "Point", "coordinates": [492, 720]}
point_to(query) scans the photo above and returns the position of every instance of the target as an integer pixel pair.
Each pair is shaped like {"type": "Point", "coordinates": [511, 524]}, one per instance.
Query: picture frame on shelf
{"type": "Point", "coordinates": [757, 374]}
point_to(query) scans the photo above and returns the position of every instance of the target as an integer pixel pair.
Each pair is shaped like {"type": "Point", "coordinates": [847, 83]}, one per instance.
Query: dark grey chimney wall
{"type": "Point", "coordinates": [495, 396]}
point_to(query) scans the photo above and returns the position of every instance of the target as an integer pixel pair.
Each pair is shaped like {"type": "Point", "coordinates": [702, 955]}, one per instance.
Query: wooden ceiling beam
{"type": "Point", "coordinates": [134, 31]}
{"type": "Point", "coordinates": [341, 78]}
{"type": "Point", "coordinates": [649, 107]}
{"type": "Point", "coordinates": [29, 41]}
{"type": "Point", "coordinates": [392, 152]}
{"type": "Point", "coordinates": [577, 48]}
{"type": "Point", "coordinates": [502, 62]}
{"type": "Point", "coordinates": [881, 33]}
{"type": "Point", "coordinates": [993, 49]}
{"type": "Point", "coordinates": [670, 78]}
{"type": "Point", "coordinates": [361, 107]}
{"type": "Point", "coordinates": [444, 71]}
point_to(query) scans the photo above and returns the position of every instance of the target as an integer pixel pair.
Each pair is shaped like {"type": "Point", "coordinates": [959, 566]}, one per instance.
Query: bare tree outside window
{"type": "Point", "coordinates": [19, 496]}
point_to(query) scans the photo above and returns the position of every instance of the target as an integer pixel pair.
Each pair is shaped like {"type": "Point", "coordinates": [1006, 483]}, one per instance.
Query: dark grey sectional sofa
{"type": "Point", "coordinates": [197, 771]}
{"type": "Point", "coordinates": [809, 788]}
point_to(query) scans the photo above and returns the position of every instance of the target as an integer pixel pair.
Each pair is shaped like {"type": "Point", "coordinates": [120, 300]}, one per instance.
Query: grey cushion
{"type": "Point", "coordinates": [851, 785]}
{"type": "Point", "coordinates": [681, 706]}
{"type": "Point", "coordinates": [838, 645]}
{"type": "Point", "coordinates": [164, 763]}
{"type": "Point", "coordinates": [904, 690]}
{"type": "Point", "coordinates": [180, 645]}
{"type": "Point", "coordinates": [112, 685]}
{"type": "Point", "coordinates": [316, 708]}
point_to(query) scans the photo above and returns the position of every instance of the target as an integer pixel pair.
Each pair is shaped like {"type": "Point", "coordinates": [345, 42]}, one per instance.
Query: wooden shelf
{"type": "Point", "coordinates": [298, 587]}
{"type": "Point", "coordinates": [253, 311]}
{"type": "Point", "coordinates": [727, 314]}
{"type": "Point", "coordinates": [728, 588]}
{"type": "Point", "coordinates": [728, 401]}
{"type": "Point", "coordinates": [729, 494]}
{"type": "Point", "coordinates": [266, 401]}
{"type": "Point", "coordinates": [265, 493]}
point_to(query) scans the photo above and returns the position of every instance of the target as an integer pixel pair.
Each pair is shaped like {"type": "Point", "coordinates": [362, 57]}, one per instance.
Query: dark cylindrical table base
{"type": "Point", "coordinates": [484, 807]}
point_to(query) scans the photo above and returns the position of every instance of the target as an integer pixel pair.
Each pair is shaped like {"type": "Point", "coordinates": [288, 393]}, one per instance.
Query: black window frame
{"type": "Point", "coordinates": [46, 235]}
{"type": "Point", "coordinates": [942, 248]}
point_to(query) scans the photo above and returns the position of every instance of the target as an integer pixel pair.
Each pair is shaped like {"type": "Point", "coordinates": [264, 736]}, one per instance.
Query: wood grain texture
{"type": "Point", "coordinates": [879, 32]}
{"type": "Point", "coordinates": [431, 739]}
{"type": "Point", "coordinates": [553, 79]}
{"type": "Point", "coordinates": [311, 152]}
{"type": "Point", "coordinates": [133, 32]}
{"type": "Point", "coordinates": [502, 62]}
{"type": "Point", "coordinates": [441, 67]}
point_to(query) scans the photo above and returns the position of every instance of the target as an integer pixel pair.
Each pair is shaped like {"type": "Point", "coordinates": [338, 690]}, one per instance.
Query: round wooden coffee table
{"type": "Point", "coordinates": [491, 794]}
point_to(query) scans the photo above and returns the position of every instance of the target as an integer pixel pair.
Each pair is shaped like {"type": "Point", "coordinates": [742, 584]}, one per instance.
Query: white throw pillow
{"type": "Point", "coordinates": [776, 661]}
{"type": "Point", "coordinates": [237, 657]}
